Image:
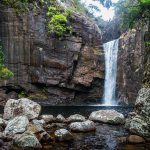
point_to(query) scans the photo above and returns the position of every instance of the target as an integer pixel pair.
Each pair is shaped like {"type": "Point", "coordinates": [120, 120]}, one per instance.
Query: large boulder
{"type": "Point", "coordinates": [134, 139]}
{"type": "Point", "coordinates": [139, 122]}
{"type": "Point", "coordinates": [48, 118]}
{"type": "Point", "coordinates": [21, 106]}
{"type": "Point", "coordinates": [27, 140]}
{"type": "Point", "coordinates": [63, 135]}
{"type": "Point", "coordinates": [60, 119]}
{"type": "Point", "coordinates": [17, 125]}
{"type": "Point", "coordinates": [107, 116]}
{"type": "Point", "coordinates": [76, 118]}
{"type": "Point", "coordinates": [85, 126]}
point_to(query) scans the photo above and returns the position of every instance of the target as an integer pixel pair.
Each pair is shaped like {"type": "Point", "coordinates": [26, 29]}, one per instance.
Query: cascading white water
{"type": "Point", "coordinates": [111, 52]}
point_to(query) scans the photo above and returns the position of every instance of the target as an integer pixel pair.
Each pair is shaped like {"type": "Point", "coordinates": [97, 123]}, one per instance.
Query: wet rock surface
{"type": "Point", "coordinates": [63, 135]}
{"type": "Point", "coordinates": [60, 118]}
{"type": "Point", "coordinates": [107, 116]}
{"type": "Point", "coordinates": [139, 121]}
{"type": "Point", "coordinates": [76, 118]}
{"type": "Point", "coordinates": [85, 126]}
{"type": "Point", "coordinates": [17, 125]}
{"type": "Point", "coordinates": [85, 134]}
{"type": "Point", "coordinates": [135, 139]}
{"type": "Point", "coordinates": [21, 106]}
{"type": "Point", "coordinates": [27, 140]}
{"type": "Point", "coordinates": [48, 118]}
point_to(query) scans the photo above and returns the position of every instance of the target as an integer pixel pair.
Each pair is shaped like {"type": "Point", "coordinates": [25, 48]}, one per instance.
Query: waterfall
{"type": "Point", "coordinates": [111, 51]}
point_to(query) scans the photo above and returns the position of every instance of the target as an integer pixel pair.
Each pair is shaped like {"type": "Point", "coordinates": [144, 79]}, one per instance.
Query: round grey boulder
{"type": "Point", "coordinates": [107, 116]}
{"type": "Point", "coordinates": [76, 118]}
{"type": "Point", "coordinates": [26, 140]}
{"type": "Point", "coordinates": [85, 126]}
{"type": "Point", "coordinates": [21, 106]}
{"type": "Point", "coordinates": [63, 135]}
{"type": "Point", "coordinates": [60, 119]}
{"type": "Point", "coordinates": [17, 125]}
{"type": "Point", "coordinates": [48, 118]}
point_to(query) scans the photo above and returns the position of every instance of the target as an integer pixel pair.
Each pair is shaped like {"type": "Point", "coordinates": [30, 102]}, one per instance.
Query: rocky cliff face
{"type": "Point", "coordinates": [48, 69]}
{"type": "Point", "coordinates": [130, 65]}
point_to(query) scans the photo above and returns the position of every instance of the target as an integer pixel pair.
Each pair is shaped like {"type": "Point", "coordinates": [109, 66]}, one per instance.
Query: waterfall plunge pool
{"type": "Point", "coordinates": [106, 137]}
{"type": "Point", "coordinates": [66, 111]}
{"type": "Point", "coordinates": [83, 110]}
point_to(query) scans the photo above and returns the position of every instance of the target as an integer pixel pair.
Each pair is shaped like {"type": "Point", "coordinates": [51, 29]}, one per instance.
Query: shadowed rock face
{"type": "Point", "coordinates": [130, 65]}
{"type": "Point", "coordinates": [58, 71]}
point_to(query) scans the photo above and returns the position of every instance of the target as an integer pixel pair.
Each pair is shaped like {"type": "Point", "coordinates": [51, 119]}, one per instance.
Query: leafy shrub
{"type": "Point", "coordinates": [58, 20]}
{"type": "Point", "coordinates": [5, 73]}
{"type": "Point", "coordinates": [58, 24]}
{"type": "Point", "coordinates": [22, 94]}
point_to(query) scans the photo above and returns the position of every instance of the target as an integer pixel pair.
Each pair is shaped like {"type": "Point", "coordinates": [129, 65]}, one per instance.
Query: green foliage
{"type": "Point", "coordinates": [77, 6]}
{"type": "Point", "coordinates": [1, 54]}
{"type": "Point", "coordinates": [22, 94]}
{"type": "Point", "coordinates": [58, 24]}
{"type": "Point", "coordinates": [57, 16]}
{"type": "Point", "coordinates": [22, 6]}
{"type": "Point", "coordinates": [58, 20]}
{"type": "Point", "coordinates": [19, 5]}
{"type": "Point", "coordinates": [5, 73]}
{"type": "Point", "coordinates": [52, 11]}
{"type": "Point", "coordinates": [147, 43]}
{"type": "Point", "coordinates": [133, 11]}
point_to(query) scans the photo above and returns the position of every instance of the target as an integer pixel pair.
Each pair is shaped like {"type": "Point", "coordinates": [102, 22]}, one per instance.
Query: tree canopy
{"type": "Point", "coordinates": [133, 11]}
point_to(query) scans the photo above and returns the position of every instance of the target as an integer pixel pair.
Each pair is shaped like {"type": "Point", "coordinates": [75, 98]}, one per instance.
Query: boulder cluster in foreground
{"type": "Point", "coordinates": [22, 126]}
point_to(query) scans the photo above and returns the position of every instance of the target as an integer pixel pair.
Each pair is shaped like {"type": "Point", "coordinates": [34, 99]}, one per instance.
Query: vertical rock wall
{"type": "Point", "coordinates": [48, 69]}
{"type": "Point", "coordinates": [130, 66]}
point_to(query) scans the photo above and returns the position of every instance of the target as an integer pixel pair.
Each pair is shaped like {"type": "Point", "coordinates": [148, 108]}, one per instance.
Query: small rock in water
{"type": "Point", "coordinates": [60, 119]}
{"type": "Point", "coordinates": [85, 126]}
{"type": "Point", "coordinates": [39, 122]}
{"type": "Point", "coordinates": [76, 118]}
{"type": "Point", "coordinates": [17, 125]}
{"type": "Point", "coordinates": [48, 118]}
{"type": "Point", "coordinates": [135, 139]}
{"type": "Point", "coordinates": [107, 116]}
{"type": "Point", "coordinates": [21, 106]}
{"type": "Point", "coordinates": [26, 140]}
{"type": "Point", "coordinates": [63, 135]}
